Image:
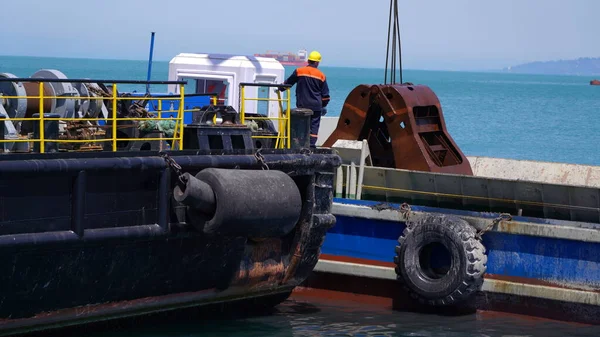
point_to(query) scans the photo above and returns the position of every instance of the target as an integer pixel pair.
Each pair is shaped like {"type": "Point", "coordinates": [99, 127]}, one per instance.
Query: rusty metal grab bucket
{"type": "Point", "coordinates": [404, 126]}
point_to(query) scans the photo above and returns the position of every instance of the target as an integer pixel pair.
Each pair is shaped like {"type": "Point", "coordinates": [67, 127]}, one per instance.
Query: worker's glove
{"type": "Point", "coordinates": [323, 111]}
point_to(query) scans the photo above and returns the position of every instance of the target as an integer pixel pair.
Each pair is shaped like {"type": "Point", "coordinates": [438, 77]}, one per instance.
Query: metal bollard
{"type": "Point", "coordinates": [300, 128]}
{"type": "Point", "coordinates": [50, 133]}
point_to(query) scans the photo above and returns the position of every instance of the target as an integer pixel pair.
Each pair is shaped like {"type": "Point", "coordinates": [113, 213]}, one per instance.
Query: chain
{"type": "Point", "coordinates": [175, 167]}
{"type": "Point", "coordinates": [305, 151]}
{"type": "Point", "coordinates": [405, 210]}
{"type": "Point", "coordinates": [96, 91]}
{"type": "Point", "coordinates": [261, 159]}
{"type": "Point", "coordinates": [502, 217]}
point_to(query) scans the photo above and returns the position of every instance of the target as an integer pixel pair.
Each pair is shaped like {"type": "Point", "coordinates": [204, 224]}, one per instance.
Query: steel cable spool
{"type": "Point", "coordinates": [65, 107]}
{"type": "Point", "coordinates": [12, 107]}
{"type": "Point", "coordinates": [92, 107]}
{"type": "Point", "coordinates": [97, 106]}
{"type": "Point", "coordinates": [33, 103]}
{"type": "Point", "coordinates": [82, 105]}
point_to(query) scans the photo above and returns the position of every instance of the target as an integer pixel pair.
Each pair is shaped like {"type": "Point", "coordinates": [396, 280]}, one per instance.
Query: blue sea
{"type": "Point", "coordinates": [535, 117]}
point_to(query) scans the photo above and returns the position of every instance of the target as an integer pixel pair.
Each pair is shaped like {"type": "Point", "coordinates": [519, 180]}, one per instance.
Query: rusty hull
{"type": "Point", "coordinates": [404, 126]}
{"type": "Point", "coordinates": [100, 237]}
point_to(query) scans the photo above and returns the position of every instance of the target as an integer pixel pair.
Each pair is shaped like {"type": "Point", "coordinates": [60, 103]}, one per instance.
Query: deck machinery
{"type": "Point", "coordinates": [111, 209]}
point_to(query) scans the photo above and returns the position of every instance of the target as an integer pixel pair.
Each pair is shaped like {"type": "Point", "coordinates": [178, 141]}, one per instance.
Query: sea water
{"type": "Point", "coordinates": [534, 117]}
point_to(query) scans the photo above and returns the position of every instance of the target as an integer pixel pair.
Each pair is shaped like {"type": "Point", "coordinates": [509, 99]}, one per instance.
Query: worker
{"type": "Point", "coordinates": [312, 92]}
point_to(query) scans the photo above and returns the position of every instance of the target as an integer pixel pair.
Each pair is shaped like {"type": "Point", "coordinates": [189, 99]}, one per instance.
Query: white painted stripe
{"type": "Point", "coordinates": [572, 231]}
{"type": "Point", "coordinates": [355, 269]}
{"type": "Point", "coordinates": [539, 291]}
{"type": "Point", "coordinates": [489, 285]}
{"type": "Point", "coordinates": [359, 211]}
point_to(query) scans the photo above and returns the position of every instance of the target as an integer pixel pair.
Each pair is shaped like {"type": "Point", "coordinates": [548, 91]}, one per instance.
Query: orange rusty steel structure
{"type": "Point", "coordinates": [404, 126]}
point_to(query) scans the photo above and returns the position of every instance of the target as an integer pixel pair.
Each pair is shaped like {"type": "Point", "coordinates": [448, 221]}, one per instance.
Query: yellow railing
{"type": "Point", "coordinates": [110, 121]}
{"type": "Point", "coordinates": [283, 135]}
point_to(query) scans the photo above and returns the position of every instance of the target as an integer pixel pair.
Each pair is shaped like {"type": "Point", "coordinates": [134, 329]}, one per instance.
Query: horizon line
{"type": "Point", "coordinates": [168, 60]}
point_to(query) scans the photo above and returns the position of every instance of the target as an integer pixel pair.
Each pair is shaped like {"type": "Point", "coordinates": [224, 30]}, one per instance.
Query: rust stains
{"type": "Point", "coordinates": [262, 266]}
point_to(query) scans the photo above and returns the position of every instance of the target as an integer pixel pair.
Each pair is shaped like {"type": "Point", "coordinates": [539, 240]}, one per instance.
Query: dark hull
{"type": "Point", "coordinates": [87, 237]}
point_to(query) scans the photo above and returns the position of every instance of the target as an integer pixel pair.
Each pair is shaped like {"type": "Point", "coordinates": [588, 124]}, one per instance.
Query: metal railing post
{"type": "Point", "coordinates": [114, 117]}
{"type": "Point", "coordinates": [180, 116]}
{"type": "Point", "coordinates": [280, 122]}
{"type": "Point", "coordinates": [242, 105]}
{"type": "Point", "coordinates": [288, 119]}
{"type": "Point", "coordinates": [215, 102]}
{"type": "Point", "coordinates": [41, 119]}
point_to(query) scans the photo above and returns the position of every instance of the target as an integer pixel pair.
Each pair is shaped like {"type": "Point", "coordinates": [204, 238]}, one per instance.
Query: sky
{"type": "Point", "coordinates": [436, 34]}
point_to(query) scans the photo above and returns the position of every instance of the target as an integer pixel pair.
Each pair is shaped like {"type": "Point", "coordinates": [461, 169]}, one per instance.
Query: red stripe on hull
{"type": "Point", "coordinates": [389, 294]}
{"type": "Point", "coordinates": [339, 258]}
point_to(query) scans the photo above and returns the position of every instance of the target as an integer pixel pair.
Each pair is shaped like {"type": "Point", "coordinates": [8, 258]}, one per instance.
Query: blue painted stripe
{"type": "Point", "coordinates": [363, 238]}
{"type": "Point", "coordinates": [359, 247]}
{"type": "Point", "coordinates": [389, 230]}
{"type": "Point", "coordinates": [543, 258]}
{"type": "Point", "coordinates": [548, 259]}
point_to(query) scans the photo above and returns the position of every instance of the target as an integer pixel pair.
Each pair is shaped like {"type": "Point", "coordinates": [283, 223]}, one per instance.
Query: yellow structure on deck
{"type": "Point", "coordinates": [111, 98]}
{"type": "Point", "coordinates": [283, 131]}
{"type": "Point", "coordinates": [111, 121]}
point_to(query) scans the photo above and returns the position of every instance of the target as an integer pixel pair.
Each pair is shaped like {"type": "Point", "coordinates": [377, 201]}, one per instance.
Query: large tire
{"type": "Point", "coordinates": [459, 279]}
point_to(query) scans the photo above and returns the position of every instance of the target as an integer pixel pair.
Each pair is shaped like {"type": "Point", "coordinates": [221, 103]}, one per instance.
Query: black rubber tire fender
{"type": "Point", "coordinates": [467, 254]}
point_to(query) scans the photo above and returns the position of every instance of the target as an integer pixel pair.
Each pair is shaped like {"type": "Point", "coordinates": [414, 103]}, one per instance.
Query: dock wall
{"type": "Point", "coordinates": [538, 171]}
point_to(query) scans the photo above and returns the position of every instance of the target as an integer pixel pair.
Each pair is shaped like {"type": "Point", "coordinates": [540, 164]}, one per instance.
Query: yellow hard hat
{"type": "Point", "coordinates": [314, 56]}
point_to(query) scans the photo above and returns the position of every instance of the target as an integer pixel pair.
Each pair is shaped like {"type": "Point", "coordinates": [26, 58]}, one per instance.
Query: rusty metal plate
{"type": "Point", "coordinates": [404, 126]}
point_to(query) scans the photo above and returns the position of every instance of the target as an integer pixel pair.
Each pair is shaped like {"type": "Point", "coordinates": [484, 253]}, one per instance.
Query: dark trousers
{"type": "Point", "coordinates": [315, 121]}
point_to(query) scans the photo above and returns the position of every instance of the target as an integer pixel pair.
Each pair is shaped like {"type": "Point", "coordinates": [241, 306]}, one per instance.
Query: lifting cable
{"type": "Point", "coordinates": [394, 28]}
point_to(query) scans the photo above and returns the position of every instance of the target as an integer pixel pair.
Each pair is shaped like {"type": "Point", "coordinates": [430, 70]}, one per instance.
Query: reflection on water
{"type": "Point", "coordinates": [316, 317]}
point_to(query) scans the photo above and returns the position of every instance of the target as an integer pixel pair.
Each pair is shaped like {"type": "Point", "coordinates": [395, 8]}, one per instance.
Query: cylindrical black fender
{"type": "Point", "coordinates": [250, 203]}
{"type": "Point", "coordinates": [196, 194]}
{"type": "Point", "coordinates": [439, 260]}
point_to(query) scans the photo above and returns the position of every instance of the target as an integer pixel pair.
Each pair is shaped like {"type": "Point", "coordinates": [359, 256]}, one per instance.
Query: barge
{"type": "Point", "coordinates": [422, 227]}
{"type": "Point", "coordinates": [115, 205]}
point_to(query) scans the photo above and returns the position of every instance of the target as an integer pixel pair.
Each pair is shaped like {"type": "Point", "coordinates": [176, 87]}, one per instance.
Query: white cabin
{"type": "Point", "coordinates": [209, 73]}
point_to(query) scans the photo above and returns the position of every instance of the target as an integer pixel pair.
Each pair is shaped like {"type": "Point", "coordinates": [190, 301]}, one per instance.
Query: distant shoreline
{"type": "Point", "coordinates": [583, 66]}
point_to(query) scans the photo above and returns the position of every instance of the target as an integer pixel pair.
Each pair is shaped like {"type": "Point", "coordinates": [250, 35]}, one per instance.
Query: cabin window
{"type": "Point", "coordinates": [209, 86]}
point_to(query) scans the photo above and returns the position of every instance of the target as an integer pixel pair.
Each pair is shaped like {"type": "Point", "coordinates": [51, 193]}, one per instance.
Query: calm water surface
{"type": "Point", "coordinates": [301, 316]}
